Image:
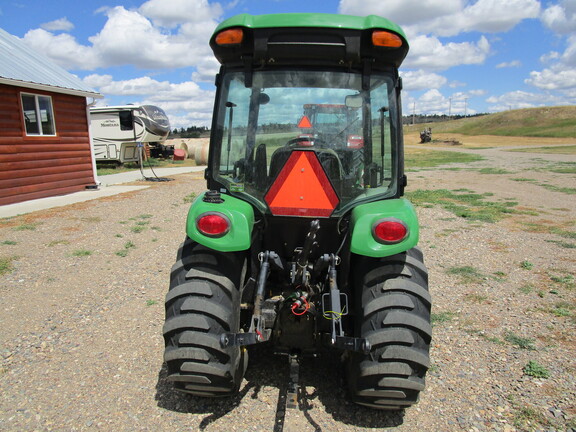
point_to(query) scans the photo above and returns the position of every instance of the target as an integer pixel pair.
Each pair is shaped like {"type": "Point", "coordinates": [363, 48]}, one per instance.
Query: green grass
{"type": "Point", "coordinates": [526, 265]}
{"type": "Point", "coordinates": [109, 168]}
{"type": "Point", "coordinates": [468, 205]}
{"type": "Point", "coordinates": [520, 342]}
{"type": "Point", "coordinates": [564, 149]}
{"type": "Point", "coordinates": [493, 171]}
{"type": "Point", "coordinates": [26, 227]}
{"type": "Point", "coordinates": [442, 317]}
{"type": "Point", "coordinates": [9, 242]}
{"type": "Point", "coordinates": [433, 158]}
{"type": "Point", "coordinates": [81, 253]}
{"type": "Point", "coordinates": [189, 198]}
{"type": "Point", "coordinates": [6, 264]}
{"type": "Point", "coordinates": [555, 122]}
{"type": "Point", "coordinates": [536, 370]}
{"type": "Point", "coordinates": [467, 274]}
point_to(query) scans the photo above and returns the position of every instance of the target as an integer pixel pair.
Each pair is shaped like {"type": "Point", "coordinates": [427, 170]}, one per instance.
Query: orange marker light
{"type": "Point", "coordinates": [386, 39]}
{"type": "Point", "coordinates": [231, 36]}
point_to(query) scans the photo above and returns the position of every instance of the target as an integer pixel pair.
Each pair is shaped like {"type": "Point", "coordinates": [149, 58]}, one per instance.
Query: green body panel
{"type": "Point", "coordinates": [310, 20]}
{"type": "Point", "coordinates": [240, 214]}
{"type": "Point", "coordinates": [363, 218]}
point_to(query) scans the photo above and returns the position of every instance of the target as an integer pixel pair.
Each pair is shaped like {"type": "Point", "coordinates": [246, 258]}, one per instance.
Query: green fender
{"type": "Point", "coordinates": [363, 218]}
{"type": "Point", "coordinates": [239, 213]}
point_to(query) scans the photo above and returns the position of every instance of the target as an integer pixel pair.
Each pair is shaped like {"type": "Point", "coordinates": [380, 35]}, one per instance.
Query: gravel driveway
{"type": "Point", "coordinates": [82, 312]}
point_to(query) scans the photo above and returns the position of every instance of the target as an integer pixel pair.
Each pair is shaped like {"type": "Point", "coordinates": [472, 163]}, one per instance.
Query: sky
{"type": "Point", "coordinates": [466, 56]}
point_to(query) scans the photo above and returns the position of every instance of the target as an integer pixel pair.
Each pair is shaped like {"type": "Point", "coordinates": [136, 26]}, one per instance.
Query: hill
{"type": "Point", "coordinates": [555, 122]}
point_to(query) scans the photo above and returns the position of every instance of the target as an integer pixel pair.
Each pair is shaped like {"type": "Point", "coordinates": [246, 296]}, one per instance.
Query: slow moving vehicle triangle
{"type": "Point", "coordinates": [302, 188]}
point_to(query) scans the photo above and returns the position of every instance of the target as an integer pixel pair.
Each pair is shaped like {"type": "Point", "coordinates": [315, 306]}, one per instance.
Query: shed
{"type": "Point", "coordinates": [45, 143]}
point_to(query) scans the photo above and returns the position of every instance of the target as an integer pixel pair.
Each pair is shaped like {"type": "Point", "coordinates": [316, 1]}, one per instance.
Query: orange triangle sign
{"type": "Point", "coordinates": [302, 188]}
{"type": "Point", "coordinates": [304, 123]}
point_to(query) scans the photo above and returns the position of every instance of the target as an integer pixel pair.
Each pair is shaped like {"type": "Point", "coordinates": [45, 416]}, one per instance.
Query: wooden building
{"type": "Point", "coordinates": [45, 143]}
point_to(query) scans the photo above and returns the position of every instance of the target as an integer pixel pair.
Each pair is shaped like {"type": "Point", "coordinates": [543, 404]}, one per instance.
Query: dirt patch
{"type": "Point", "coordinates": [82, 315]}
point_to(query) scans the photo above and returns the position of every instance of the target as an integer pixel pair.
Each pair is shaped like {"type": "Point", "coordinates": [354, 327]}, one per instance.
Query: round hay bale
{"type": "Point", "coordinates": [201, 153]}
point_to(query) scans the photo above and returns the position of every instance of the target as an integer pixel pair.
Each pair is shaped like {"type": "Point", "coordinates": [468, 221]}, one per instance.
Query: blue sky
{"type": "Point", "coordinates": [467, 56]}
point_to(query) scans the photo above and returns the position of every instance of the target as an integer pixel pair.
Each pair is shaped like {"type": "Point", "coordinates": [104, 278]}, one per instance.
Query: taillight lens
{"type": "Point", "coordinates": [213, 224]}
{"type": "Point", "coordinates": [389, 231]}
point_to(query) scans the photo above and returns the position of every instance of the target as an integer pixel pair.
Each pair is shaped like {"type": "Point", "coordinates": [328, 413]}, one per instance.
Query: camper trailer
{"type": "Point", "coordinates": [117, 131]}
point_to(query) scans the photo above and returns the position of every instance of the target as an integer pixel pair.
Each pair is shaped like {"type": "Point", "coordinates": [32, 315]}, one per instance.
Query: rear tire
{"type": "Point", "coordinates": [394, 315]}
{"type": "Point", "coordinates": [203, 302]}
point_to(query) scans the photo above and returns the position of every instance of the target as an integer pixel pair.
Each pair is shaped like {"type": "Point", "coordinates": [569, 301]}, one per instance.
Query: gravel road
{"type": "Point", "coordinates": [81, 316]}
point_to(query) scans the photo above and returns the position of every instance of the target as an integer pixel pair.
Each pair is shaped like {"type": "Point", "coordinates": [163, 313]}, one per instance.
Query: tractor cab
{"type": "Point", "coordinates": [289, 87]}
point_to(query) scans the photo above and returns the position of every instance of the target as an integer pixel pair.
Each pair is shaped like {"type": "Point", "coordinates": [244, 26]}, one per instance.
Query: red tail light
{"type": "Point", "coordinates": [389, 231]}
{"type": "Point", "coordinates": [213, 224]}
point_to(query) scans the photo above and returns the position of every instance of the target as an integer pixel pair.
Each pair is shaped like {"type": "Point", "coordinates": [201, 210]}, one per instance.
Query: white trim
{"type": "Point", "coordinates": [92, 153]}
{"type": "Point", "coordinates": [49, 88]}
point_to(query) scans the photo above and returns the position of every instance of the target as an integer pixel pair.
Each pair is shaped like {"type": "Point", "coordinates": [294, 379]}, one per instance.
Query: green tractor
{"type": "Point", "coordinates": [302, 241]}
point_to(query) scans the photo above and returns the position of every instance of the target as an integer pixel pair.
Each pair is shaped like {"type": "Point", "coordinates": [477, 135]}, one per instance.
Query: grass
{"type": "Point", "coordinates": [493, 171]}
{"type": "Point", "coordinates": [555, 122]}
{"type": "Point", "coordinates": [520, 342]}
{"type": "Point", "coordinates": [108, 168]}
{"type": "Point", "coordinates": [466, 204]}
{"type": "Point", "coordinates": [565, 149]}
{"type": "Point", "coordinates": [81, 253]}
{"type": "Point", "coordinates": [26, 227]}
{"type": "Point", "coordinates": [526, 265]}
{"type": "Point", "coordinates": [189, 198]}
{"type": "Point", "coordinates": [127, 246]}
{"type": "Point", "coordinates": [422, 158]}
{"type": "Point", "coordinates": [442, 317]}
{"type": "Point", "coordinates": [9, 242]}
{"type": "Point", "coordinates": [467, 274]}
{"type": "Point", "coordinates": [536, 370]}
{"type": "Point", "coordinates": [6, 264]}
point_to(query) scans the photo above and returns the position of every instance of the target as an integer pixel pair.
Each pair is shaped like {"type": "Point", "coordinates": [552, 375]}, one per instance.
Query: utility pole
{"type": "Point", "coordinates": [465, 107]}
{"type": "Point", "coordinates": [413, 112]}
{"type": "Point", "coordinates": [450, 108]}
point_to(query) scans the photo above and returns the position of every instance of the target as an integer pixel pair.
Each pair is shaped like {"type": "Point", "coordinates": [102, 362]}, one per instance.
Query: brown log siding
{"type": "Point", "coordinates": [34, 167]}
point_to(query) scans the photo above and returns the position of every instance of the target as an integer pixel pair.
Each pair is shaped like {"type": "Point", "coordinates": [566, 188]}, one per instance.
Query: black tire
{"type": "Point", "coordinates": [394, 315]}
{"type": "Point", "coordinates": [203, 302]}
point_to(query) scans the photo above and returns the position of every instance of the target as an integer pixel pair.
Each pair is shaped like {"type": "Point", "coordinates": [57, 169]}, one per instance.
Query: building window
{"type": "Point", "coordinates": [38, 114]}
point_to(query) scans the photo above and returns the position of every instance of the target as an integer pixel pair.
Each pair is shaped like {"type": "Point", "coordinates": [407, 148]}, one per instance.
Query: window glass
{"type": "Point", "coordinates": [349, 129]}
{"type": "Point", "coordinates": [38, 115]}
{"type": "Point", "coordinates": [30, 118]}
{"type": "Point", "coordinates": [46, 115]}
{"type": "Point", "coordinates": [126, 120]}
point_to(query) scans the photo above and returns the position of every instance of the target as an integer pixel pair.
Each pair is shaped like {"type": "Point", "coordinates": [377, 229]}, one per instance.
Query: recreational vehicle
{"type": "Point", "coordinates": [117, 131]}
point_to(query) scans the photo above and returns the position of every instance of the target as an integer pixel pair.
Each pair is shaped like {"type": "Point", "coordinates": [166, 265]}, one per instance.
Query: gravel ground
{"type": "Point", "coordinates": [82, 314]}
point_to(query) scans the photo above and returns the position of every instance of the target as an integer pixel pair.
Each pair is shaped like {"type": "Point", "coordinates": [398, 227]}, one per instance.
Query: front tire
{"type": "Point", "coordinates": [394, 315]}
{"type": "Point", "coordinates": [203, 302]}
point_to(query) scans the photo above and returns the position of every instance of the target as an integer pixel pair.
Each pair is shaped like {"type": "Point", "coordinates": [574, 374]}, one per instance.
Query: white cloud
{"type": "Point", "coordinates": [555, 78]}
{"type": "Point", "coordinates": [447, 17]}
{"type": "Point", "coordinates": [61, 24]}
{"type": "Point", "coordinates": [170, 13]}
{"type": "Point", "coordinates": [521, 99]}
{"type": "Point", "coordinates": [510, 64]}
{"type": "Point", "coordinates": [429, 53]}
{"type": "Point", "coordinates": [561, 18]}
{"type": "Point", "coordinates": [404, 12]}
{"type": "Point", "coordinates": [63, 49]}
{"type": "Point", "coordinates": [130, 38]}
{"type": "Point", "coordinates": [421, 80]}
{"type": "Point", "coordinates": [560, 73]}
